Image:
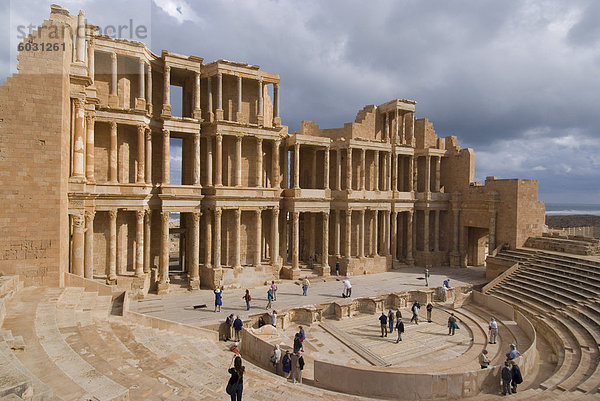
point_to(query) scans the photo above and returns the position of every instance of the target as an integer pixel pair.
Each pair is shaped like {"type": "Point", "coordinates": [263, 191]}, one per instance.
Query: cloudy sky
{"type": "Point", "coordinates": [518, 81]}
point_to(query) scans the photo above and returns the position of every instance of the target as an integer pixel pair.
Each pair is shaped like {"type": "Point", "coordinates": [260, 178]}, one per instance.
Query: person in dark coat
{"type": "Point", "coordinates": [297, 343]}
{"type": "Point", "coordinates": [506, 379]}
{"type": "Point", "coordinates": [517, 378]}
{"type": "Point", "coordinates": [429, 310]}
{"type": "Point", "coordinates": [235, 386]}
{"type": "Point", "coordinates": [415, 311]}
{"type": "Point", "coordinates": [452, 325]}
{"type": "Point", "coordinates": [286, 364]}
{"type": "Point", "coordinates": [399, 329]}
{"type": "Point", "coordinates": [383, 322]}
{"type": "Point", "coordinates": [391, 320]}
{"type": "Point", "coordinates": [218, 299]}
{"type": "Point", "coordinates": [238, 324]}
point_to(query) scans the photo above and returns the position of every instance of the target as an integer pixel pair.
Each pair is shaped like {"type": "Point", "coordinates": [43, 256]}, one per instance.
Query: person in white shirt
{"type": "Point", "coordinates": [347, 288]}
{"type": "Point", "coordinates": [493, 326]}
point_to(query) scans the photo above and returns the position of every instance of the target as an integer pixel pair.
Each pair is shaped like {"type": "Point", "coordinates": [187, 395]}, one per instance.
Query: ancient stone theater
{"type": "Point", "coordinates": [93, 221]}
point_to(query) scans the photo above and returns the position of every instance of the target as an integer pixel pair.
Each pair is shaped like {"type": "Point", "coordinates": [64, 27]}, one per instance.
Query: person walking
{"type": "Point", "coordinates": [274, 318]}
{"type": "Point", "coordinates": [452, 325]}
{"type": "Point", "coordinates": [337, 268]}
{"type": "Point", "coordinates": [305, 285]}
{"type": "Point", "coordinates": [391, 321]}
{"type": "Point", "coordinates": [347, 288]}
{"type": "Point", "coordinates": [274, 290]}
{"type": "Point", "coordinates": [297, 367]}
{"type": "Point", "coordinates": [484, 361]}
{"type": "Point", "coordinates": [286, 364]}
{"type": "Point", "coordinates": [229, 327]}
{"type": "Point", "coordinates": [426, 277]}
{"type": "Point", "coordinates": [516, 377]}
{"type": "Point", "coordinates": [415, 311]}
{"type": "Point", "coordinates": [506, 379]}
{"type": "Point", "coordinates": [399, 329]}
{"type": "Point", "coordinates": [297, 343]}
{"type": "Point", "coordinates": [514, 353]}
{"type": "Point", "coordinates": [276, 357]}
{"type": "Point", "coordinates": [218, 299]}
{"type": "Point", "coordinates": [235, 386]}
{"type": "Point", "coordinates": [269, 298]}
{"type": "Point", "coordinates": [238, 325]}
{"type": "Point", "coordinates": [247, 298]}
{"type": "Point", "coordinates": [302, 333]}
{"type": "Point", "coordinates": [429, 310]}
{"type": "Point", "coordinates": [383, 322]}
{"type": "Point", "coordinates": [398, 315]}
{"type": "Point", "coordinates": [493, 327]}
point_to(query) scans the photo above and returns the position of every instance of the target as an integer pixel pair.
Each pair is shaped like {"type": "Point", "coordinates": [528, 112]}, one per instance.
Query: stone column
{"type": "Point", "coordinates": [311, 236]}
{"type": "Point", "coordinates": [258, 235]}
{"type": "Point", "coordinates": [296, 166]}
{"type": "Point", "coordinates": [197, 114]}
{"type": "Point", "coordinates": [112, 172]}
{"type": "Point", "coordinates": [325, 245]}
{"type": "Point", "coordinates": [388, 171]}
{"type": "Point", "coordinates": [208, 238]}
{"type": "Point", "coordinates": [149, 86]}
{"type": "Point", "coordinates": [384, 126]}
{"type": "Point", "coordinates": [237, 264]}
{"type": "Point", "coordinates": [217, 247]}
{"type": "Point", "coordinates": [211, 114]}
{"type": "Point", "coordinates": [275, 181]}
{"type": "Point", "coordinates": [348, 239]}
{"type": "Point", "coordinates": [259, 163]}
{"type": "Point", "coordinates": [89, 148]}
{"type": "Point", "coordinates": [113, 74]}
{"type": "Point", "coordinates": [396, 127]}
{"type": "Point", "coordinates": [147, 241]}
{"type": "Point", "coordinates": [313, 170]}
{"type": "Point", "coordinates": [112, 248]}
{"type": "Point", "coordinates": [88, 268]}
{"type": "Point", "coordinates": [166, 110]}
{"type": "Point", "coordinates": [361, 234]}
{"type": "Point", "coordinates": [196, 160]}
{"type": "Point", "coordinates": [142, 81]}
{"type": "Point", "coordinates": [415, 175]}
{"type": "Point", "coordinates": [91, 60]}
{"type": "Point", "coordinates": [164, 254]}
{"type": "Point", "coordinates": [436, 232]}
{"type": "Point", "coordinates": [259, 106]}
{"type": "Point", "coordinates": [427, 173]}
{"type": "Point", "coordinates": [209, 162]}
{"type": "Point", "coordinates": [81, 37]}
{"type": "Point", "coordinates": [286, 168]}
{"type": "Point", "coordinates": [238, 161]}
{"type": "Point", "coordinates": [362, 169]}
{"type": "Point", "coordinates": [194, 280]}
{"type": "Point", "coordinates": [438, 164]}
{"type": "Point", "coordinates": [275, 236]}
{"type": "Point", "coordinates": [148, 149]}
{"type": "Point", "coordinates": [295, 239]}
{"type": "Point", "coordinates": [276, 119]}
{"type": "Point", "coordinates": [79, 140]}
{"type": "Point", "coordinates": [166, 156]}
{"type": "Point", "coordinates": [404, 141]}
{"type": "Point", "coordinates": [493, 214]}
{"type": "Point", "coordinates": [139, 243]}
{"type": "Point", "coordinates": [326, 169]}
{"type": "Point", "coordinates": [141, 129]}
{"type": "Point", "coordinates": [238, 116]}
{"type": "Point", "coordinates": [387, 234]}
{"type": "Point", "coordinates": [375, 235]}
{"type": "Point", "coordinates": [395, 170]}
{"type": "Point", "coordinates": [455, 214]}
{"type": "Point", "coordinates": [219, 111]}
{"type": "Point", "coordinates": [338, 168]}
{"type": "Point", "coordinates": [336, 234]}
{"type": "Point", "coordinates": [412, 130]}
{"type": "Point", "coordinates": [394, 227]}
{"type": "Point", "coordinates": [349, 169]}
{"type": "Point", "coordinates": [219, 160]}
{"type": "Point", "coordinates": [426, 230]}
{"type": "Point", "coordinates": [78, 251]}
{"type": "Point", "coordinates": [377, 170]}
{"type": "Point", "coordinates": [409, 238]}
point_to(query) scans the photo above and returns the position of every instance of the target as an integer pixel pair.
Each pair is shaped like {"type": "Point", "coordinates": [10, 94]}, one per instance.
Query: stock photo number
{"type": "Point", "coordinates": [42, 47]}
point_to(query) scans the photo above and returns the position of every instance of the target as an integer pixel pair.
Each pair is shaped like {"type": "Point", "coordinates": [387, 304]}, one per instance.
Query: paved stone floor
{"type": "Point", "coordinates": [178, 306]}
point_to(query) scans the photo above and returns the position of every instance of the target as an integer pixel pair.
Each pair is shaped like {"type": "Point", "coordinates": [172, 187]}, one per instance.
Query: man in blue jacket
{"type": "Point", "coordinates": [238, 325]}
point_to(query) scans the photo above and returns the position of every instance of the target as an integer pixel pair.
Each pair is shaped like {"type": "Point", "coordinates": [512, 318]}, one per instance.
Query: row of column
{"type": "Point", "coordinates": [144, 91]}
{"type": "Point", "coordinates": [436, 178]}
{"type": "Point", "coordinates": [395, 131]}
{"type": "Point", "coordinates": [166, 110]}
{"type": "Point", "coordinates": [436, 231]}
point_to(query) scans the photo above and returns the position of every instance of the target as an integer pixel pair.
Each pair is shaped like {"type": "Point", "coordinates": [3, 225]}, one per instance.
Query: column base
{"type": "Point", "coordinates": [238, 116]}
{"type": "Point", "coordinates": [149, 108]}
{"type": "Point", "coordinates": [113, 101]}
{"type": "Point", "coordinates": [260, 120]}
{"type": "Point", "coordinates": [277, 121]}
{"type": "Point", "coordinates": [162, 288]}
{"type": "Point", "coordinates": [77, 179]}
{"type": "Point", "coordinates": [166, 110]}
{"type": "Point", "coordinates": [323, 270]}
{"type": "Point", "coordinates": [410, 261]}
{"type": "Point", "coordinates": [211, 117]}
{"type": "Point", "coordinates": [197, 114]}
{"type": "Point", "coordinates": [219, 114]}
{"type": "Point", "coordinates": [140, 104]}
{"type": "Point", "coordinates": [194, 283]}
{"type": "Point", "coordinates": [456, 260]}
{"type": "Point", "coordinates": [290, 273]}
{"type": "Point", "coordinates": [111, 281]}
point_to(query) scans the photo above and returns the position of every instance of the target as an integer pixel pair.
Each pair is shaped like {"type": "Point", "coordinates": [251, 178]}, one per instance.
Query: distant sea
{"type": "Point", "coordinates": [555, 209]}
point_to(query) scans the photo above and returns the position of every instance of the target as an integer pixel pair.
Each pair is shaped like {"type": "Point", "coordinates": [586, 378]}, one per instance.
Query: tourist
{"type": "Point", "coordinates": [247, 298]}
{"type": "Point", "coordinates": [506, 379]}
{"type": "Point", "coordinates": [513, 354]}
{"type": "Point", "coordinates": [429, 310]}
{"type": "Point", "coordinates": [399, 329]}
{"type": "Point", "coordinates": [286, 364]}
{"type": "Point", "coordinates": [347, 289]}
{"type": "Point", "coordinates": [235, 386]}
{"type": "Point", "coordinates": [305, 285]}
{"type": "Point", "coordinates": [238, 325]}
{"type": "Point", "coordinates": [269, 298]}
{"type": "Point", "coordinates": [337, 268]}
{"type": "Point", "coordinates": [493, 327]}
{"type": "Point", "coordinates": [452, 325]}
{"type": "Point", "coordinates": [415, 311]}
{"type": "Point", "coordinates": [218, 299]}
{"type": "Point", "coordinates": [302, 333]}
{"type": "Point", "coordinates": [311, 262]}
{"type": "Point", "coordinates": [229, 327]}
{"type": "Point", "coordinates": [517, 378]}
{"type": "Point", "coordinates": [274, 290]}
{"type": "Point", "coordinates": [484, 361]}
{"type": "Point", "coordinates": [383, 322]}
{"type": "Point", "coordinates": [261, 322]}
{"type": "Point", "coordinates": [274, 318]}
{"type": "Point", "coordinates": [398, 315]}
{"type": "Point", "coordinates": [446, 284]}
{"type": "Point", "coordinates": [426, 277]}
{"type": "Point", "coordinates": [391, 321]}
{"type": "Point", "coordinates": [297, 367]}
{"type": "Point", "coordinates": [297, 343]}
{"type": "Point", "coordinates": [276, 357]}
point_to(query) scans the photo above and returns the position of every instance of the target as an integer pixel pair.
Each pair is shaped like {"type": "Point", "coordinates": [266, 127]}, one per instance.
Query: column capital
{"type": "Point", "coordinates": [196, 135]}
{"type": "Point", "coordinates": [89, 215]}
{"type": "Point", "coordinates": [78, 102]}
{"type": "Point", "coordinates": [259, 140]}
{"type": "Point", "coordinates": [148, 133]}
{"type": "Point", "coordinates": [238, 138]}
{"type": "Point", "coordinates": [139, 214]}
{"type": "Point", "coordinates": [89, 118]}
{"type": "Point", "coordinates": [113, 56]}
{"type": "Point", "coordinates": [196, 215]}
{"type": "Point", "coordinates": [148, 212]}
{"type": "Point", "coordinates": [113, 125]}
{"type": "Point", "coordinates": [238, 212]}
{"type": "Point", "coordinates": [112, 213]}
{"type": "Point", "coordinates": [296, 215]}
{"type": "Point", "coordinates": [78, 220]}
{"type": "Point", "coordinates": [167, 69]}
{"type": "Point", "coordinates": [164, 217]}
{"type": "Point", "coordinates": [277, 143]}
{"type": "Point", "coordinates": [166, 133]}
{"type": "Point", "coordinates": [276, 209]}
{"type": "Point", "coordinates": [141, 128]}
{"type": "Point", "coordinates": [218, 212]}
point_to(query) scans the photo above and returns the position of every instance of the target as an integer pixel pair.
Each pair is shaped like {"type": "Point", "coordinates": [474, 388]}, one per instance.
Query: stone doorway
{"type": "Point", "coordinates": [477, 245]}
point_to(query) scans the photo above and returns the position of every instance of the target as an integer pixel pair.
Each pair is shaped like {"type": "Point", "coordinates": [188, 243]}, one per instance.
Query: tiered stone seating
{"type": "Point", "coordinates": [576, 245]}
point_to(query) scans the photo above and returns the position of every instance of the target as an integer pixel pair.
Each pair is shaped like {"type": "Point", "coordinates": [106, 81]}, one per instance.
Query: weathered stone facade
{"type": "Point", "coordinates": [85, 175]}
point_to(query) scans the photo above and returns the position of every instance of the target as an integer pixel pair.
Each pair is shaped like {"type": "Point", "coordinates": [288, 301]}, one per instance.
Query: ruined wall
{"type": "Point", "coordinates": [34, 161]}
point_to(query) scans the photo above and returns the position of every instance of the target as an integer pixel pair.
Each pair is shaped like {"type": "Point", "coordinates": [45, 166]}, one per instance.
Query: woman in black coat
{"type": "Point", "coordinates": [517, 378]}
{"type": "Point", "coordinates": [235, 386]}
